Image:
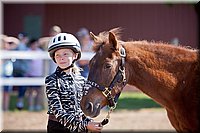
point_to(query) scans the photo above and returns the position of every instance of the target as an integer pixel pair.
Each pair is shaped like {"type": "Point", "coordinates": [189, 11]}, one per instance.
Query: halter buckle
{"type": "Point", "coordinates": [122, 70]}
{"type": "Point", "coordinates": [122, 52]}
{"type": "Point", "coordinates": [106, 92]}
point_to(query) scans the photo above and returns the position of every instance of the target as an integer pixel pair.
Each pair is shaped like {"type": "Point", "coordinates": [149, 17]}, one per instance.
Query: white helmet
{"type": "Point", "coordinates": [64, 40]}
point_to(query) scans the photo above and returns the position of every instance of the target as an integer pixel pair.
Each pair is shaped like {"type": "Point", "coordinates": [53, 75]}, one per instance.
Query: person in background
{"type": "Point", "coordinates": [7, 43]}
{"type": "Point", "coordinates": [43, 43]}
{"type": "Point", "coordinates": [175, 41]}
{"type": "Point", "coordinates": [86, 46]}
{"type": "Point", "coordinates": [35, 70]}
{"type": "Point", "coordinates": [20, 67]}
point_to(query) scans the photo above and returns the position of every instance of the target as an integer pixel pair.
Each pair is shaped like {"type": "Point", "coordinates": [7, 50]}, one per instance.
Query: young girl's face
{"type": "Point", "coordinates": [64, 57]}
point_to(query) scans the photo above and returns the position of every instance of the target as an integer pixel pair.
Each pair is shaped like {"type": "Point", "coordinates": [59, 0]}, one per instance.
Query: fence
{"type": "Point", "coordinates": [13, 55]}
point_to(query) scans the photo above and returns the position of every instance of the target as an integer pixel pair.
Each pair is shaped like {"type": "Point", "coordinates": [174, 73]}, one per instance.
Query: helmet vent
{"type": "Point", "coordinates": [64, 38]}
{"type": "Point", "coordinates": [54, 40]}
{"type": "Point", "coordinates": [59, 38]}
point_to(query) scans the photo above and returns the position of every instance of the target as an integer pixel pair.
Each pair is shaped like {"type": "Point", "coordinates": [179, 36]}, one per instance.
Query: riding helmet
{"type": "Point", "coordinates": [64, 40]}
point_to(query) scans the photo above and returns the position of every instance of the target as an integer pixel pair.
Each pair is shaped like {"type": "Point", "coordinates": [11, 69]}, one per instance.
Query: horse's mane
{"type": "Point", "coordinates": [163, 45]}
{"type": "Point", "coordinates": [103, 38]}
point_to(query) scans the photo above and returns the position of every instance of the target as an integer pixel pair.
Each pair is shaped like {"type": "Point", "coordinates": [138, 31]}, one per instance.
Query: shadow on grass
{"type": "Point", "coordinates": [131, 103]}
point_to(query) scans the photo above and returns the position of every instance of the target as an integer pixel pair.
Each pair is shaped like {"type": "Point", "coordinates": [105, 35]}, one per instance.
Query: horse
{"type": "Point", "coordinates": [166, 73]}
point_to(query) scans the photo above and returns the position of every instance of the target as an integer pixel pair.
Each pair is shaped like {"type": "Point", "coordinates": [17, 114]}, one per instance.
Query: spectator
{"type": "Point", "coordinates": [43, 43]}
{"type": "Point", "coordinates": [175, 41]}
{"type": "Point", "coordinates": [35, 70]}
{"type": "Point", "coordinates": [86, 45]}
{"type": "Point", "coordinates": [20, 67]}
{"type": "Point", "coordinates": [8, 43]}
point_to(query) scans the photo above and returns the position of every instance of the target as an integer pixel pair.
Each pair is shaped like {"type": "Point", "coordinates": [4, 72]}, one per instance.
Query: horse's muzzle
{"type": "Point", "coordinates": [91, 109]}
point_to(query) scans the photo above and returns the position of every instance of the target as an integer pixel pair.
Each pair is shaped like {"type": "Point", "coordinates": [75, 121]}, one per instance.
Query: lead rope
{"type": "Point", "coordinates": [106, 120]}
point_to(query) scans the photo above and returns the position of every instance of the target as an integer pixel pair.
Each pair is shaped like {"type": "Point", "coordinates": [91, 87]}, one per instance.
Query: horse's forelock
{"type": "Point", "coordinates": [104, 38]}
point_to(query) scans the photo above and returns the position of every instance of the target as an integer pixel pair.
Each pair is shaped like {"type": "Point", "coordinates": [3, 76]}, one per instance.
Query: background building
{"type": "Point", "coordinates": [158, 22]}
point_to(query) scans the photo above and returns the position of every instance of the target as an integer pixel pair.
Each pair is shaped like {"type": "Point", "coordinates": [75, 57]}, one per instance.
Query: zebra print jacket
{"type": "Point", "coordinates": [64, 93]}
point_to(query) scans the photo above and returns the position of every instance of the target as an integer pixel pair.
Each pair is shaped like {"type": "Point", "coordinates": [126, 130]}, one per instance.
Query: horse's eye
{"type": "Point", "coordinates": [107, 66]}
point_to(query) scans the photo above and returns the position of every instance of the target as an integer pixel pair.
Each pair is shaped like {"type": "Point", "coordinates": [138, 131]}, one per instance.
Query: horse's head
{"type": "Point", "coordinates": [107, 73]}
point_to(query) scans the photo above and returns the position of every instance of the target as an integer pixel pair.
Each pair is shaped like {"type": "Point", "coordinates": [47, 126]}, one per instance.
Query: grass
{"type": "Point", "coordinates": [13, 101]}
{"type": "Point", "coordinates": [127, 100]}
{"type": "Point", "coordinates": [135, 100]}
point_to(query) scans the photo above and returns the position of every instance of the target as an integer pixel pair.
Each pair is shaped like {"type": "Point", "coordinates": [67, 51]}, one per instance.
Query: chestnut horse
{"type": "Point", "coordinates": [166, 73]}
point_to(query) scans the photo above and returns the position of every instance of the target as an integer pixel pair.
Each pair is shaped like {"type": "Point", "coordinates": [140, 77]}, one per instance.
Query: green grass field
{"type": "Point", "coordinates": [13, 101]}
{"type": "Point", "coordinates": [135, 100]}
{"type": "Point", "coordinates": [127, 100]}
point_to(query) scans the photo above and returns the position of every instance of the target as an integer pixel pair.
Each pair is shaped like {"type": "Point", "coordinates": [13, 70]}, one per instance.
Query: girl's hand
{"type": "Point", "coordinates": [94, 126]}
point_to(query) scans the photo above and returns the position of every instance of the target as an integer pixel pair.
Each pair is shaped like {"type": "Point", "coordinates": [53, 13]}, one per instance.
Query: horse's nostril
{"type": "Point", "coordinates": [89, 107]}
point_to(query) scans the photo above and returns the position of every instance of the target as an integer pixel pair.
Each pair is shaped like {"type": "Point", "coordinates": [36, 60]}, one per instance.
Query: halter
{"type": "Point", "coordinates": [120, 77]}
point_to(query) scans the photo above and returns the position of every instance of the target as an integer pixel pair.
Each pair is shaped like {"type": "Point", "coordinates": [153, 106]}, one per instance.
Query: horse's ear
{"type": "Point", "coordinates": [95, 38]}
{"type": "Point", "coordinates": [113, 40]}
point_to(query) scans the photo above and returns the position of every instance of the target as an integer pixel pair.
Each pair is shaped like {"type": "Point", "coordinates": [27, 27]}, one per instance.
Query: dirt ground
{"type": "Point", "coordinates": [141, 120]}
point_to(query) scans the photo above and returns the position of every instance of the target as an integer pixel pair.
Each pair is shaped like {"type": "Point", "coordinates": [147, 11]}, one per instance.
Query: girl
{"type": "Point", "coordinates": [64, 88]}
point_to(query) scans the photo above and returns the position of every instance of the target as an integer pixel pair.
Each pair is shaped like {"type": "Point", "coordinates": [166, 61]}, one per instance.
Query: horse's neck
{"type": "Point", "coordinates": [157, 70]}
